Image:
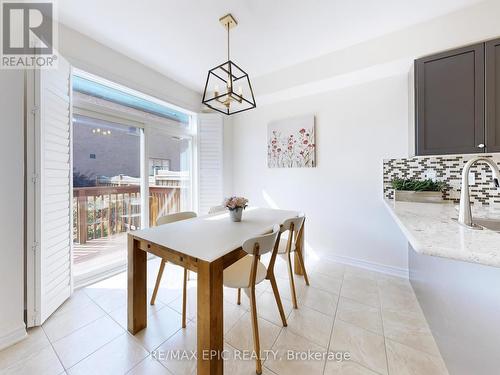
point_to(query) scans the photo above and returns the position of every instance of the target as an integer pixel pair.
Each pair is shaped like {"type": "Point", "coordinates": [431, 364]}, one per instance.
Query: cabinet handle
{"type": "Point", "coordinates": [481, 145]}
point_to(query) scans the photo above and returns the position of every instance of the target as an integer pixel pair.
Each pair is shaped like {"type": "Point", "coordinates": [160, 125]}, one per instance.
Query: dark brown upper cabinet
{"type": "Point", "coordinates": [450, 102]}
{"type": "Point", "coordinates": [492, 53]}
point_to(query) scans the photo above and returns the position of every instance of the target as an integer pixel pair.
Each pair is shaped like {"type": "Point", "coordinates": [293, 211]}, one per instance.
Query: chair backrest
{"type": "Point", "coordinates": [171, 218]}
{"type": "Point", "coordinates": [265, 243]}
{"type": "Point", "coordinates": [217, 209]}
{"type": "Point", "coordinates": [295, 222]}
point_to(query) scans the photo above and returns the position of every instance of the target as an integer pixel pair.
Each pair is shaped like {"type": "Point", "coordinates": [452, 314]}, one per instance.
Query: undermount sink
{"type": "Point", "coordinates": [479, 223]}
{"type": "Point", "coordinates": [490, 224]}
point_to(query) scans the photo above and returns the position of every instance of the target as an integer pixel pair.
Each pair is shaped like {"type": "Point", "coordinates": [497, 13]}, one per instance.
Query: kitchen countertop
{"type": "Point", "coordinates": [430, 230]}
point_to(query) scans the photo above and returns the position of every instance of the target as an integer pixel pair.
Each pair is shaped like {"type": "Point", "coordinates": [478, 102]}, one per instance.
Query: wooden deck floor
{"type": "Point", "coordinates": [99, 252]}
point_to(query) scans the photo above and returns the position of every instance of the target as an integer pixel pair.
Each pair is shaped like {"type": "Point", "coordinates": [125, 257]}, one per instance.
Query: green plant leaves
{"type": "Point", "coordinates": [409, 184]}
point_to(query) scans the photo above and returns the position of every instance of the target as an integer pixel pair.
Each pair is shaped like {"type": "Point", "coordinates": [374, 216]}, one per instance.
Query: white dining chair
{"type": "Point", "coordinates": [249, 271]}
{"type": "Point", "coordinates": [217, 209]}
{"type": "Point", "coordinates": [291, 235]}
{"type": "Point", "coordinates": [167, 219]}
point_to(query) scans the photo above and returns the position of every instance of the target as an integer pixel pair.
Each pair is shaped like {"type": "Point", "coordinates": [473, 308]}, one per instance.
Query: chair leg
{"type": "Point", "coordinates": [278, 299]}
{"type": "Point", "coordinates": [239, 297]}
{"type": "Point", "coordinates": [184, 297]}
{"type": "Point", "coordinates": [302, 265]}
{"type": "Point", "coordinates": [255, 330]}
{"type": "Point", "coordinates": [292, 282]}
{"type": "Point", "coordinates": [158, 280]}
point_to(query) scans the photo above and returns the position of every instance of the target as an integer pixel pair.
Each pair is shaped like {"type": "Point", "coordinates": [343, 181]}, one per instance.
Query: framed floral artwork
{"type": "Point", "coordinates": [291, 143]}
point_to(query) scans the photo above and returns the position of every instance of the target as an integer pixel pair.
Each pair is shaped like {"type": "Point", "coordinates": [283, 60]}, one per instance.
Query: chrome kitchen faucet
{"type": "Point", "coordinates": [465, 214]}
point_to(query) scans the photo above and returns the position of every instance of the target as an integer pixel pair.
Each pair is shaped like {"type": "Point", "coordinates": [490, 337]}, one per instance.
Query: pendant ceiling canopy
{"type": "Point", "coordinates": [228, 89]}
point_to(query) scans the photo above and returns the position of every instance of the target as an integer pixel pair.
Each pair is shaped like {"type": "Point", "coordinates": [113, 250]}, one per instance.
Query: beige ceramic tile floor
{"type": "Point", "coordinates": [374, 317]}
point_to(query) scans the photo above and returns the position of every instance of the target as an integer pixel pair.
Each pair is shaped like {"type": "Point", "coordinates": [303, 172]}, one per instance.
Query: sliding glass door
{"type": "Point", "coordinates": [107, 180]}
{"type": "Point", "coordinates": [106, 192]}
{"type": "Point", "coordinates": [169, 169]}
{"type": "Point", "coordinates": [132, 163]}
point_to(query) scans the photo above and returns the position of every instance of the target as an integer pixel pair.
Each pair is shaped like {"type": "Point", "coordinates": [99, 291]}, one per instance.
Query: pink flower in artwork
{"type": "Point", "coordinates": [292, 150]}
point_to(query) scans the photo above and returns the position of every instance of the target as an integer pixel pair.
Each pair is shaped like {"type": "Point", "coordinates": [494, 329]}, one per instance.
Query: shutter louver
{"type": "Point", "coordinates": [54, 255]}
{"type": "Point", "coordinates": [210, 151]}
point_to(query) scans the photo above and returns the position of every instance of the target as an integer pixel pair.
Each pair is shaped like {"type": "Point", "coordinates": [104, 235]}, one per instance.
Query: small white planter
{"type": "Point", "coordinates": [418, 196]}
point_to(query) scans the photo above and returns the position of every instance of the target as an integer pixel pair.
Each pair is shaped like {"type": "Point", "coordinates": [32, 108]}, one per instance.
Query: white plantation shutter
{"type": "Point", "coordinates": [53, 223]}
{"type": "Point", "coordinates": [210, 161]}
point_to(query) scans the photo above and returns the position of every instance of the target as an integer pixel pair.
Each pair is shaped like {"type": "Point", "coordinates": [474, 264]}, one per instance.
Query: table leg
{"type": "Point", "coordinates": [296, 262]}
{"type": "Point", "coordinates": [210, 318]}
{"type": "Point", "coordinates": [137, 287]}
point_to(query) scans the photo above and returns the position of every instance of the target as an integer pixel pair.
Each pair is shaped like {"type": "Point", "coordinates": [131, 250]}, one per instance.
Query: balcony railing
{"type": "Point", "coordinates": [103, 211]}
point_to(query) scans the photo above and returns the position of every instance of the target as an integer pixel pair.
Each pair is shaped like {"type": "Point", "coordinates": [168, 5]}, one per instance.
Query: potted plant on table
{"type": "Point", "coordinates": [235, 205]}
{"type": "Point", "coordinates": [423, 191]}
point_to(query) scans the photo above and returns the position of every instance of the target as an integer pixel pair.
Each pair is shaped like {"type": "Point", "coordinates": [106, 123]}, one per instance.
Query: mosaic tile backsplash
{"type": "Point", "coordinates": [448, 169]}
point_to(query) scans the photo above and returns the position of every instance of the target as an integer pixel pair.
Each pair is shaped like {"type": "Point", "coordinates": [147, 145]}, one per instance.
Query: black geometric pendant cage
{"type": "Point", "coordinates": [231, 89]}
{"type": "Point", "coordinates": [228, 89]}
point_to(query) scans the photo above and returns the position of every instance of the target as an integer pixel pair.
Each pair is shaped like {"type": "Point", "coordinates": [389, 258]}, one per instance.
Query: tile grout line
{"type": "Point", "coordinates": [54, 349]}
{"type": "Point", "coordinates": [105, 315]}
{"type": "Point", "coordinates": [383, 328]}
{"type": "Point", "coordinates": [145, 359]}
{"type": "Point", "coordinates": [281, 330]}
{"type": "Point", "coordinates": [32, 354]}
{"type": "Point", "coordinates": [99, 348]}
{"type": "Point", "coordinates": [334, 319]}
{"type": "Point", "coordinates": [85, 325]}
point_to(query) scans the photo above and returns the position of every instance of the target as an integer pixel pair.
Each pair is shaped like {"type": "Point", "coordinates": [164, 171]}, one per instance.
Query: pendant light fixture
{"type": "Point", "coordinates": [228, 89]}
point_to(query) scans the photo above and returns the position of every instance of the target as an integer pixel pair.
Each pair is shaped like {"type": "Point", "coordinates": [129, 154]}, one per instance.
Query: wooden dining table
{"type": "Point", "coordinates": [206, 245]}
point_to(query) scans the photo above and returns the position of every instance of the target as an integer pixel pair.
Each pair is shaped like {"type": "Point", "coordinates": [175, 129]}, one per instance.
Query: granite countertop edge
{"type": "Point", "coordinates": [431, 230]}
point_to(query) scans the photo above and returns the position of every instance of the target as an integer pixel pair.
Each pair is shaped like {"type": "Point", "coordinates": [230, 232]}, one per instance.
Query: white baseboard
{"type": "Point", "coordinates": [371, 266]}
{"type": "Point", "coordinates": [13, 337]}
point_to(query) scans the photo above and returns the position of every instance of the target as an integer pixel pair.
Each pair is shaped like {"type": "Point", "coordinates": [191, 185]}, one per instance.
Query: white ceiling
{"type": "Point", "coordinates": [183, 39]}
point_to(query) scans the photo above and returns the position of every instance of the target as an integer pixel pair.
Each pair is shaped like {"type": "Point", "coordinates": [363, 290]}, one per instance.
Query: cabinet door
{"type": "Point", "coordinates": [450, 102]}
{"type": "Point", "coordinates": [493, 96]}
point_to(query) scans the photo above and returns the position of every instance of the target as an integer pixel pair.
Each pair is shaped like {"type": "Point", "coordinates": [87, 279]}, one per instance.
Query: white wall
{"type": "Point", "coordinates": [12, 326]}
{"type": "Point", "coordinates": [355, 129]}
{"type": "Point", "coordinates": [359, 96]}
{"type": "Point", "coordinates": [93, 57]}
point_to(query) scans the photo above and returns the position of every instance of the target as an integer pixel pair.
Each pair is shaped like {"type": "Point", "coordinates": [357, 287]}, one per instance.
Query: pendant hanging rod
{"type": "Point", "coordinates": [228, 21]}
{"type": "Point", "coordinates": [228, 42]}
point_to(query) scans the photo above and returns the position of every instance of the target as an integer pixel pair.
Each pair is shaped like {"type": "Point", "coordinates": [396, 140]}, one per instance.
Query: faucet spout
{"type": "Point", "coordinates": [465, 213]}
